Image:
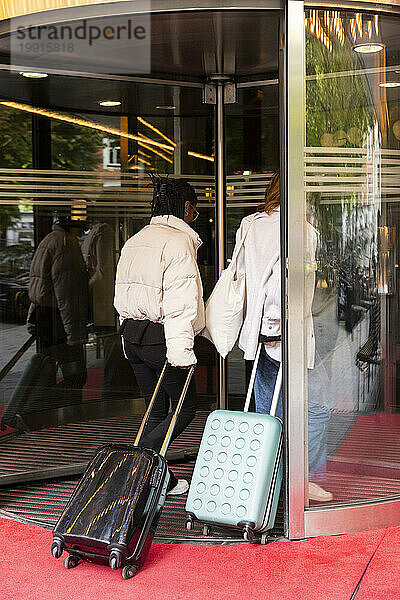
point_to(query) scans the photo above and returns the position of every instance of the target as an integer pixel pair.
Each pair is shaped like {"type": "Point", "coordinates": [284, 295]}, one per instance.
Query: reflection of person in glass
{"type": "Point", "coordinates": [58, 313]}
{"type": "Point", "coordinates": [158, 296]}
{"type": "Point", "coordinates": [263, 315]}
{"type": "Point", "coordinates": [98, 249]}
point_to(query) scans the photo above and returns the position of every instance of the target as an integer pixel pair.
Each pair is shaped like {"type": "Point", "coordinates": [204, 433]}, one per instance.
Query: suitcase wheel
{"type": "Point", "coordinates": [57, 548]}
{"type": "Point", "coordinates": [115, 559]}
{"type": "Point", "coordinates": [248, 534]}
{"type": "Point", "coordinates": [71, 561]}
{"type": "Point", "coordinates": [189, 522]}
{"type": "Point", "coordinates": [129, 571]}
{"type": "Point", "coordinates": [206, 530]}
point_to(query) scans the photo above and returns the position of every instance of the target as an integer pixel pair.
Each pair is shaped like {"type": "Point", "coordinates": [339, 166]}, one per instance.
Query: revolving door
{"type": "Point", "coordinates": [92, 126]}
{"type": "Point", "coordinates": [223, 97]}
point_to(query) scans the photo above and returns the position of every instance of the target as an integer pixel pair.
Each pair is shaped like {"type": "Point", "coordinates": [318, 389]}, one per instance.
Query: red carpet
{"type": "Point", "coordinates": [382, 579]}
{"type": "Point", "coordinates": [318, 569]}
{"type": "Point", "coordinates": [382, 431]}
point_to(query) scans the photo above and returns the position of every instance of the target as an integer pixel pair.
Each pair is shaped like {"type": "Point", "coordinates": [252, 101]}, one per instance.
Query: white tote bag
{"type": "Point", "coordinates": [224, 308]}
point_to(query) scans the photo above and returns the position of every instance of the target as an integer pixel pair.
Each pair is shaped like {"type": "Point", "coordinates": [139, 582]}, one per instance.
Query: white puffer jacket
{"type": "Point", "coordinates": [158, 279]}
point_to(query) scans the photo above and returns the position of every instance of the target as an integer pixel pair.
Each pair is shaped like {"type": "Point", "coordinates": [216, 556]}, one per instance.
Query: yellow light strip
{"type": "Point", "coordinates": [325, 26]}
{"type": "Point", "coordinates": [359, 23]}
{"type": "Point", "coordinates": [156, 152]}
{"type": "Point", "coordinates": [353, 29]}
{"type": "Point", "coordinates": [317, 29]}
{"type": "Point", "coordinates": [338, 26]}
{"type": "Point", "coordinates": [147, 139]}
{"type": "Point", "coordinates": [82, 122]}
{"type": "Point", "coordinates": [376, 19]}
{"type": "Point", "coordinates": [160, 133]}
{"type": "Point", "coordinates": [312, 21]}
{"type": "Point", "coordinates": [320, 33]}
{"type": "Point", "coordinates": [146, 162]}
{"type": "Point", "coordinates": [144, 154]}
{"type": "Point", "coordinates": [202, 156]}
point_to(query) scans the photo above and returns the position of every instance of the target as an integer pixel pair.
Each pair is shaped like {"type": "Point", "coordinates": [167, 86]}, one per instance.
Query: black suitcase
{"type": "Point", "coordinates": [112, 515]}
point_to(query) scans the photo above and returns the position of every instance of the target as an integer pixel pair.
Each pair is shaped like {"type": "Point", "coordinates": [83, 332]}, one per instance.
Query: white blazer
{"type": "Point", "coordinates": [259, 260]}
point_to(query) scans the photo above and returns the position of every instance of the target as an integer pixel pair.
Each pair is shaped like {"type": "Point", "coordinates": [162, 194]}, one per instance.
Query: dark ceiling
{"type": "Point", "coordinates": [182, 47]}
{"type": "Point", "coordinates": [186, 45]}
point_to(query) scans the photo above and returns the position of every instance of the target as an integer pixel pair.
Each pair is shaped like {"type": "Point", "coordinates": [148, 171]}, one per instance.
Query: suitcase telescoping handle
{"type": "Point", "coordinates": [278, 383]}
{"type": "Point", "coordinates": [176, 414]}
{"type": "Point", "coordinates": [5, 370]}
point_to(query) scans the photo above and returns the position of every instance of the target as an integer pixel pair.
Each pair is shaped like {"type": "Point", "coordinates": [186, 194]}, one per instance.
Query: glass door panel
{"type": "Point", "coordinates": [90, 167]}
{"type": "Point", "coordinates": [352, 169]}
{"type": "Point", "coordinates": [252, 147]}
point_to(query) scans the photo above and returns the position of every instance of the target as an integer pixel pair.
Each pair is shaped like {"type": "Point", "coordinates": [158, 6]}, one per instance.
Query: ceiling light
{"type": "Point", "coordinates": [110, 103]}
{"type": "Point", "coordinates": [368, 48]}
{"type": "Point", "coordinates": [32, 75]}
{"type": "Point", "coordinates": [390, 84]}
{"type": "Point", "coordinates": [203, 156]}
{"type": "Point", "coordinates": [166, 107]}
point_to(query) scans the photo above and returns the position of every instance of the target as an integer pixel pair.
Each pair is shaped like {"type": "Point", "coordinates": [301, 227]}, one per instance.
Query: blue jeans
{"type": "Point", "coordinates": [319, 408]}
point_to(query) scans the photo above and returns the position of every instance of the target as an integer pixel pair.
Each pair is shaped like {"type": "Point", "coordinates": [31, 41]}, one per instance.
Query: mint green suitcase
{"type": "Point", "coordinates": [238, 473]}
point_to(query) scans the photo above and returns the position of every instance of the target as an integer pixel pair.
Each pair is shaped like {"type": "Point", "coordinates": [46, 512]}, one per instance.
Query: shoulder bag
{"type": "Point", "coordinates": [224, 308]}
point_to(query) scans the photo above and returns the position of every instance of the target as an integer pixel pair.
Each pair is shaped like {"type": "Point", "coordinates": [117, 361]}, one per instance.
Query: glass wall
{"type": "Point", "coordinates": [352, 184]}
{"type": "Point", "coordinates": [74, 187]}
{"type": "Point", "coordinates": [97, 120]}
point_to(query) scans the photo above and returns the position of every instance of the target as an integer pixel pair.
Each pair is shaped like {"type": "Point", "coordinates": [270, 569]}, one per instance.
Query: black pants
{"type": "Point", "coordinates": [147, 363]}
{"type": "Point", "coordinates": [118, 379]}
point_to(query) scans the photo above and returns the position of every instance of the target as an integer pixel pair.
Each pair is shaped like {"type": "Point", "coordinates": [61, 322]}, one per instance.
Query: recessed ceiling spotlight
{"type": "Point", "coordinates": [390, 84]}
{"type": "Point", "coordinates": [166, 107]}
{"type": "Point", "coordinates": [368, 48]}
{"type": "Point", "coordinates": [110, 103]}
{"type": "Point", "coordinates": [32, 75]}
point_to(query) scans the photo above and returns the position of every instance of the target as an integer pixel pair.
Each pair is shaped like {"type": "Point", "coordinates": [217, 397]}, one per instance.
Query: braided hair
{"type": "Point", "coordinates": [170, 195]}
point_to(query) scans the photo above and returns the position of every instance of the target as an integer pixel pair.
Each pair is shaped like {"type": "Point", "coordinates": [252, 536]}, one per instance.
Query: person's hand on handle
{"type": "Point", "coordinates": [271, 344]}
{"type": "Point", "coordinates": [31, 328]}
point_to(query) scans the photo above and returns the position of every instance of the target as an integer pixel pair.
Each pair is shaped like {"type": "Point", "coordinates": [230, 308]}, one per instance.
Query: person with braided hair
{"type": "Point", "coordinates": [159, 299]}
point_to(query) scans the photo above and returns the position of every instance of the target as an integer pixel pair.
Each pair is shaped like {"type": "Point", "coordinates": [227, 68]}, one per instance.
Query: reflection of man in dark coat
{"type": "Point", "coordinates": [58, 291]}
{"type": "Point", "coordinates": [98, 249]}
{"type": "Point", "coordinates": [99, 254]}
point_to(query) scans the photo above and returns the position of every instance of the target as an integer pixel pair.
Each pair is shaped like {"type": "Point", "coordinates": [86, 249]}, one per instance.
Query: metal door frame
{"type": "Point", "coordinates": [293, 219]}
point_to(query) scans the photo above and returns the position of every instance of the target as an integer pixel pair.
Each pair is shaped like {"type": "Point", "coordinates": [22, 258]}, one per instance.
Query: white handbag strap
{"type": "Point", "coordinates": [277, 390]}
{"type": "Point", "coordinates": [239, 247]}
